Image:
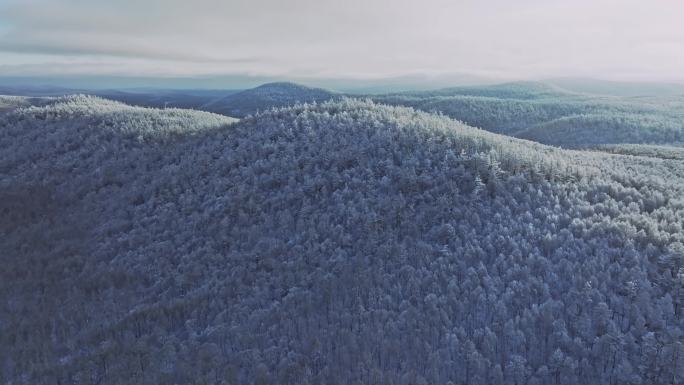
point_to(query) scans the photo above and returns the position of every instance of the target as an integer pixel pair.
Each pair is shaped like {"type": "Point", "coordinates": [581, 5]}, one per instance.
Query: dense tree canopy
{"type": "Point", "coordinates": [342, 243]}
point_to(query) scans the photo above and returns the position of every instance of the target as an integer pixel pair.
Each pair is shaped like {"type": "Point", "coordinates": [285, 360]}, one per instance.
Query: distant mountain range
{"type": "Point", "coordinates": [564, 112]}
{"type": "Point", "coordinates": [615, 88]}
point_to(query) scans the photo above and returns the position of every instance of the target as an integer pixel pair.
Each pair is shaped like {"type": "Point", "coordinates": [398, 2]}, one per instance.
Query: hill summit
{"type": "Point", "coordinates": [266, 96]}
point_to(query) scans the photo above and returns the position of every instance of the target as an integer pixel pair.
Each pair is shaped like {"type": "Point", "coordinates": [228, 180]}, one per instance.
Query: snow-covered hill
{"type": "Point", "coordinates": [345, 242]}
{"type": "Point", "coordinates": [550, 115]}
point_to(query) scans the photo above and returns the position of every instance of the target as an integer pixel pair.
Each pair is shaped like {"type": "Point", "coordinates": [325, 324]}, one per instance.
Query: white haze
{"type": "Point", "coordinates": [359, 39]}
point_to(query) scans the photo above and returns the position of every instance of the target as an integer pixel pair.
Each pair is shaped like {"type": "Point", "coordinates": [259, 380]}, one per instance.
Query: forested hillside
{"type": "Point", "coordinates": [8, 103]}
{"type": "Point", "coordinates": [551, 115]}
{"type": "Point", "coordinates": [341, 243]}
{"type": "Point", "coordinates": [541, 112]}
{"type": "Point", "coordinates": [162, 98]}
{"type": "Point", "coordinates": [664, 152]}
{"type": "Point", "coordinates": [601, 128]}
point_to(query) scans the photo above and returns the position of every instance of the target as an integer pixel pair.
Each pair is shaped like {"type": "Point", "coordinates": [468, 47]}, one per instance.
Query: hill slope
{"type": "Point", "coordinates": [607, 128]}
{"type": "Point", "coordinates": [549, 115]}
{"type": "Point", "coordinates": [339, 243]}
{"type": "Point", "coordinates": [663, 152]}
{"type": "Point", "coordinates": [267, 96]}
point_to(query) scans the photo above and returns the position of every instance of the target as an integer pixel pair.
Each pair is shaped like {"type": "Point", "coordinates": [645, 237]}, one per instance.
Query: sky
{"type": "Point", "coordinates": [634, 40]}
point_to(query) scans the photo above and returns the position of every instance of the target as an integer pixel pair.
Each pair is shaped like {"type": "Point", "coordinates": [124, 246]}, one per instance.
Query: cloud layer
{"type": "Point", "coordinates": [620, 39]}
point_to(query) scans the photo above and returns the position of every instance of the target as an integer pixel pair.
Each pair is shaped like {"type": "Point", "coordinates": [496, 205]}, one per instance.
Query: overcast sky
{"type": "Point", "coordinates": [508, 39]}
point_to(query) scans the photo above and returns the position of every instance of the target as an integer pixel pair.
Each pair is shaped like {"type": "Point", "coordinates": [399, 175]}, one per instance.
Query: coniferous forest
{"type": "Point", "coordinates": [340, 242]}
{"type": "Point", "coordinates": [357, 192]}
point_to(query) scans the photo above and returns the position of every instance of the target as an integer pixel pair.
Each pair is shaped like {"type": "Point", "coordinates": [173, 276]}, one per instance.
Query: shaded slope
{"type": "Point", "coordinates": [331, 244]}
{"type": "Point", "coordinates": [593, 129]}
{"type": "Point", "coordinates": [164, 98]}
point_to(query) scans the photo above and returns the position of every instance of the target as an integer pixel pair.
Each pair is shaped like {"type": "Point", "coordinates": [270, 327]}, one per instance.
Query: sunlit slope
{"type": "Point", "coordinates": [338, 243]}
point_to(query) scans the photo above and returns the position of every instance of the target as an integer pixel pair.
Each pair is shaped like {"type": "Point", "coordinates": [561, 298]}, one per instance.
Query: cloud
{"type": "Point", "coordinates": [355, 38]}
